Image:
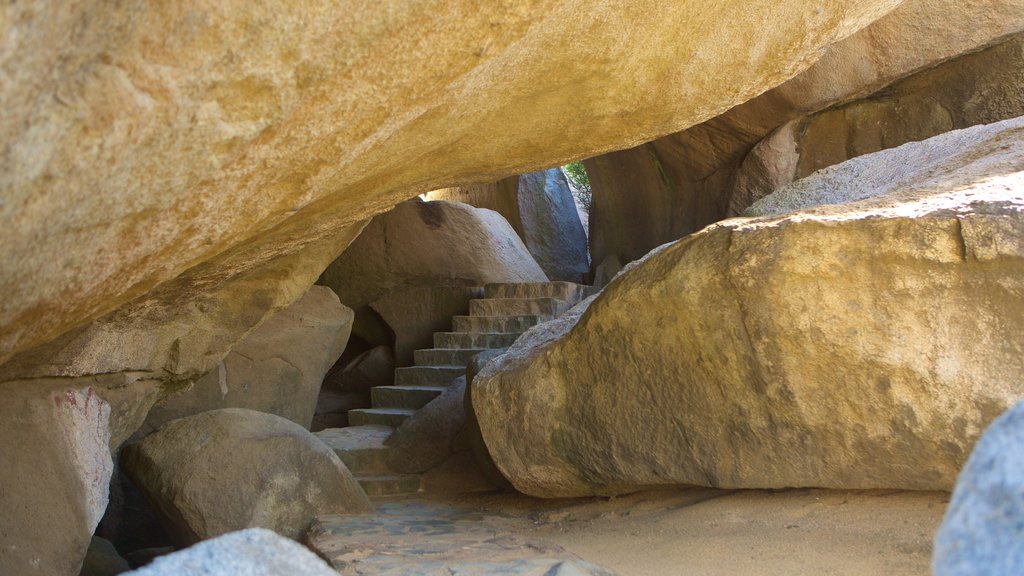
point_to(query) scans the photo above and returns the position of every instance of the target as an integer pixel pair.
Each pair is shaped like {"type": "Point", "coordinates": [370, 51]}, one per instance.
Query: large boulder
{"type": "Point", "coordinates": [978, 88]}
{"type": "Point", "coordinates": [278, 368]}
{"type": "Point", "coordinates": [142, 141]}
{"type": "Point", "coordinates": [252, 552]}
{"type": "Point", "coordinates": [427, 244]}
{"type": "Point", "coordinates": [983, 531]}
{"type": "Point", "coordinates": [859, 345]}
{"type": "Point", "coordinates": [677, 184]}
{"type": "Point", "coordinates": [541, 209]}
{"type": "Point", "coordinates": [233, 468]}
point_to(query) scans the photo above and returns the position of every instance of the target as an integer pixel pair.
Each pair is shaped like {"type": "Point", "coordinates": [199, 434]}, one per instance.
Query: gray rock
{"type": "Point", "coordinates": [551, 225]}
{"type": "Point", "coordinates": [416, 313]}
{"type": "Point", "coordinates": [375, 367]}
{"type": "Point", "coordinates": [230, 469]}
{"type": "Point", "coordinates": [252, 552]}
{"type": "Point", "coordinates": [983, 532]}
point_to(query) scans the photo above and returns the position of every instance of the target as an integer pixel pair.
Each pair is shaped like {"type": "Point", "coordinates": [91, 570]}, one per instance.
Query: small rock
{"type": "Point", "coordinates": [230, 469]}
{"type": "Point", "coordinates": [252, 552]}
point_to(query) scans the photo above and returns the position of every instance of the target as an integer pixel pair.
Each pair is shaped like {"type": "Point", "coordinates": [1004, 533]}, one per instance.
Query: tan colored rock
{"type": "Point", "coordinates": [231, 469]}
{"type": "Point", "coordinates": [427, 244]}
{"type": "Point", "coordinates": [416, 313]}
{"type": "Point", "coordinates": [677, 184]}
{"type": "Point", "coordinates": [978, 88]}
{"type": "Point", "coordinates": [278, 368]}
{"type": "Point", "coordinates": [144, 141]}
{"type": "Point", "coordinates": [860, 345]}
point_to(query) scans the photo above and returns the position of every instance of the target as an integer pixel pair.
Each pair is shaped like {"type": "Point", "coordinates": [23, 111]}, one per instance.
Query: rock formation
{"type": "Point", "coordinates": [662, 190]}
{"type": "Point", "coordinates": [860, 345]}
{"type": "Point", "coordinates": [277, 368]}
{"type": "Point", "coordinates": [427, 244]}
{"type": "Point", "coordinates": [143, 143]}
{"type": "Point", "coordinates": [233, 468]}
{"type": "Point", "coordinates": [984, 526]}
{"type": "Point", "coordinates": [540, 208]}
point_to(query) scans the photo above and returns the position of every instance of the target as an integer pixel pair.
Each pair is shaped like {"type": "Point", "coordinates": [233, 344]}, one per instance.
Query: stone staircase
{"type": "Point", "coordinates": [494, 322]}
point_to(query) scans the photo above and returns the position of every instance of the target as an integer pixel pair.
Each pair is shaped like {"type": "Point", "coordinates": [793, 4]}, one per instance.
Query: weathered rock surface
{"type": "Point", "coordinates": [676, 185]}
{"type": "Point", "coordinates": [864, 345]}
{"type": "Point", "coordinates": [978, 88]}
{"type": "Point", "coordinates": [428, 438]}
{"type": "Point", "coordinates": [230, 469]}
{"type": "Point", "coordinates": [416, 313]}
{"type": "Point", "coordinates": [252, 552]}
{"type": "Point", "coordinates": [983, 531]}
{"type": "Point", "coordinates": [426, 244]}
{"type": "Point", "coordinates": [142, 142]}
{"type": "Point", "coordinates": [541, 209]}
{"type": "Point", "coordinates": [56, 468]}
{"type": "Point", "coordinates": [278, 368]}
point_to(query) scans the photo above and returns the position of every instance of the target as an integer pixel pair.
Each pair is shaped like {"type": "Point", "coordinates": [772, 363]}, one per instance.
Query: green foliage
{"type": "Point", "coordinates": [577, 176]}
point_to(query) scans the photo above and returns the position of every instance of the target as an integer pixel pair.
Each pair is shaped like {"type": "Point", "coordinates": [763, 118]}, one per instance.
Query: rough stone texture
{"type": "Point", "coordinates": [102, 559]}
{"type": "Point", "coordinates": [56, 468]}
{"type": "Point", "coordinates": [375, 367]}
{"type": "Point", "coordinates": [415, 314]}
{"type": "Point", "coordinates": [428, 438]}
{"type": "Point", "coordinates": [983, 531]}
{"type": "Point", "coordinates": [676, 185]}
{"type": "Point", "coordinates": [234, 468]}
{"type": "Point", "coordinates": [426, 244]}
{"type": "Point", "coordinates": [146, 140]}
{"type": "Point", "coordinates": [400, 543]}
{"type": "Point", "coordinates": [277, 368]}
{"type": "Point", "coordinates": [864, 345]}
{"type": "Point", "coordinates": [541, 209]}
{"type": "Point", "coordinates": [978, 88]}
{"type": "Point", "coordinates": [252, 552]}
{"type": "Point", "coordinates": [551, 227]}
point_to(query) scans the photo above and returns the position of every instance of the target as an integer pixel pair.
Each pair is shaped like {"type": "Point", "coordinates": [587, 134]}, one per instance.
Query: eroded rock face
{"type": "Point", "coordinates": [978, 88]}
{"type": "Point", "coordinates": [278, 368]}
{"type": "Point", "coordinates": [676, 185]}
{"type": "Point", "coordinates": [142, 143]}
{"type": "Point", "coordinates": [230, 469]}
{"type": "Point", "coordinates": [863, 345]}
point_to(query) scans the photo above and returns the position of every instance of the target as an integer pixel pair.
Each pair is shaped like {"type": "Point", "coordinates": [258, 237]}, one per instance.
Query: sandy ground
{"type": "Point", "coordinates": [700, 532]}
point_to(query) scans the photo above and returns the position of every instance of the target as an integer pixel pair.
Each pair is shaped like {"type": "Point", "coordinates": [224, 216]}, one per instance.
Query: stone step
{"type": "Point", "coordinates": [496, 324]}
{"type": "Point", "coordinates": [428, 375]}
{"type": "Point", "coordinates": [473, 340]}
{"type": "Point", "coordinates": [412, 397]}
{"type": "Point", "coordinates": [392, 417]}
{"type": "Point", "coordinates": [445, 356]}
{"type": "Point", "coordinates": [361, 448]}
{"type": "Point", "coordinates": [549, 307]}
{"type": "Point", "coordinates": [390, 484]}
{"type": "Point", "coordinates": [561, 290]}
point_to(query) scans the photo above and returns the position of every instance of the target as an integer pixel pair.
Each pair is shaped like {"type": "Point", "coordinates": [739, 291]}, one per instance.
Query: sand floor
{"type": "Point", "coordinates": [701, 532]}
